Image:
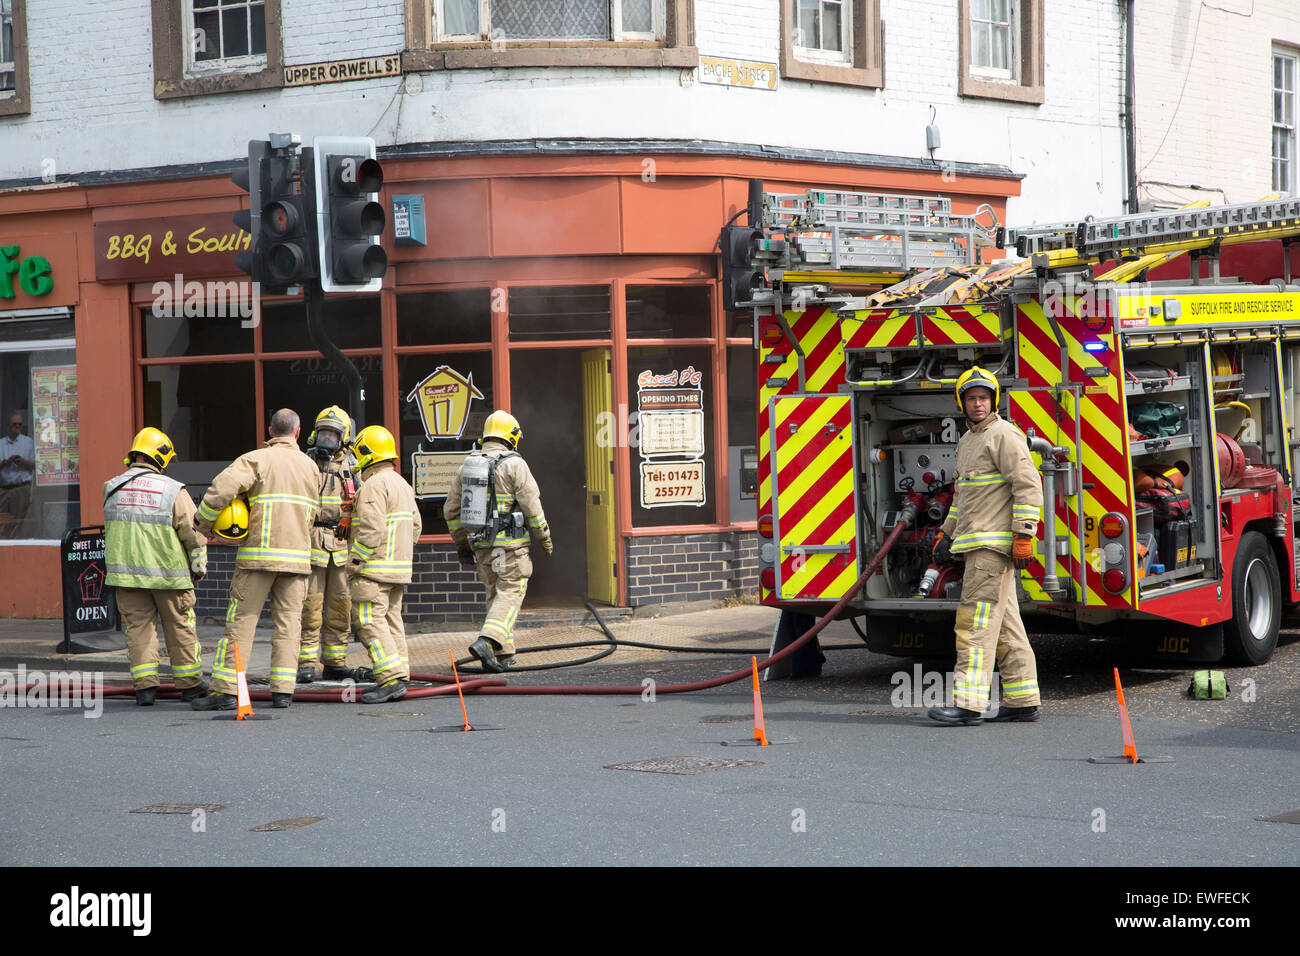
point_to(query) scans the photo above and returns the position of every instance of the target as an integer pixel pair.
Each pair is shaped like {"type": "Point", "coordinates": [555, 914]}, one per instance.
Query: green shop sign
{"type": "Point", "coordinates": [33, 273]}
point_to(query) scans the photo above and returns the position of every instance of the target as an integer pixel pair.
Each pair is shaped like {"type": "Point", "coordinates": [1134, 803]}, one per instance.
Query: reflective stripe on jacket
{"type": "Point", "coordinates": [998, 494]}
{"type": "Point", "coordinates": [385, 526]}
{"type": "Point", "coordinates": [148, 522]}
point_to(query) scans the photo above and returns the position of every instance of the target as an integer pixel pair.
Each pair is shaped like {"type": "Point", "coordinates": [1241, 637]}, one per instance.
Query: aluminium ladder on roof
{"type": "Point", "coordinates": [873, 231]}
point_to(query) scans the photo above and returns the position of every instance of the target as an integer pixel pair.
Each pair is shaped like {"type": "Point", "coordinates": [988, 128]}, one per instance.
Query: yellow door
{"type": "Point", "coordinates": [597, 399]}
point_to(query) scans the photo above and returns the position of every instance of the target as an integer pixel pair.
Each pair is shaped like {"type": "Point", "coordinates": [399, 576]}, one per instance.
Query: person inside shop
{"type": "Point", "coordinates": [17, 471]}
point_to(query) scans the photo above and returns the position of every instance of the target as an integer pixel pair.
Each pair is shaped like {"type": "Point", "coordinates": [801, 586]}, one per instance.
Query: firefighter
{"type": "Point", "coordinates": [281, 486]}
{"type": "Point", "coordinates": [384, 527]}
{"type": "Point", "coordinates": [992, 524]}
{"type": "Point", "coordinates": [491, 525]}
{"type": "Point", "coordinates": [154, 559]}
{"type": "Point", "coordinates": [328, 603]}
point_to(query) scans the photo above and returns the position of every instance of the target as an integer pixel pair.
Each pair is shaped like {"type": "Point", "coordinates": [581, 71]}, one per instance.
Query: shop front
{"type": "Point", "coordinates": [578, 292]}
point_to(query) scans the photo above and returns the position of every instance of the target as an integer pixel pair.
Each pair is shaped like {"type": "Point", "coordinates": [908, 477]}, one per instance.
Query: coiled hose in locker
{"type": "Point", "coordinates": [444, 684]}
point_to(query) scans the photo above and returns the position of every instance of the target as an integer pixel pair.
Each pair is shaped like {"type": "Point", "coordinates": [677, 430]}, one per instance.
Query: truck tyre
{"type": "Point", "coordinates": [1250, 635]}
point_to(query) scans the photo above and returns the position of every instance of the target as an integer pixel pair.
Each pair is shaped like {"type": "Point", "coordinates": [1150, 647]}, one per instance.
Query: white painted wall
{"type": "Point", "coordinates": [93, 107]}
{"type": "Point", "coordinates": [1204, 89]}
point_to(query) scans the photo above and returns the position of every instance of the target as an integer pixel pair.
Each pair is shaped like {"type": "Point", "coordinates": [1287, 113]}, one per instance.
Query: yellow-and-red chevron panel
{"type": "Point", "coordinates": [814, 496]}
{"type": "Point", "coordinates": [880, 329]}
{"type": "Point", "coordinates": [1098, 420]}
{"type": "Point", "coordinates": [959, 325]}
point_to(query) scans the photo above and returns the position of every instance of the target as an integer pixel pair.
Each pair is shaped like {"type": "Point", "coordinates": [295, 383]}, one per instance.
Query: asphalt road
{"type": "Point", "coordinates": [863, 783]}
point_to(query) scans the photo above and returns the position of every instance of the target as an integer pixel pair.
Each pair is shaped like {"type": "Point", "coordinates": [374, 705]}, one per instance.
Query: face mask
{"type": "Point", "coordinates": [328, 439]}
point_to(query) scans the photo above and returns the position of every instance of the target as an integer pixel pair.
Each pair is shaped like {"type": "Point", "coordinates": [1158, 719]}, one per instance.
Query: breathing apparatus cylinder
{"type": "Point", "coordinates": [474, 481]}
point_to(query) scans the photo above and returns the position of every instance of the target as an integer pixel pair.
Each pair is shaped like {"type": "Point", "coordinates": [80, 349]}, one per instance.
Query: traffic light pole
{"type": "Point", "coordinates": [314, 297]}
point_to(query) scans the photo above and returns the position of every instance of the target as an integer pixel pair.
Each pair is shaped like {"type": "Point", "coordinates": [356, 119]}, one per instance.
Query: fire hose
{"type": "Point", "coordinates": [446, 684]}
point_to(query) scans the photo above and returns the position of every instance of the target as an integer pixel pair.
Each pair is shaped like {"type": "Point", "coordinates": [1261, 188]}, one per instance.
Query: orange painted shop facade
{"type": "Point", "coordinates": [577, 290]}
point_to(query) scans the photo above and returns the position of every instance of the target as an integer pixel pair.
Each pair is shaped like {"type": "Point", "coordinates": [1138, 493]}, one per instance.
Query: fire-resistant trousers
{"type": "Point", "coordinates": [989, 626]}
{"type": "Point", "coordinates": [140, 607]}
{"type": "Point", "coordinates": [505, 573]}
{"type": "Point", "coordinates": [325, 617]}
{"type": "Point", "coordinates": [377, 618]}
{"type": "Point", "coordinates": [248, 591]}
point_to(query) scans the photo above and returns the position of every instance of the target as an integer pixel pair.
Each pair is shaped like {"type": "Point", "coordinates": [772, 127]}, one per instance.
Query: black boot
{"type": "Point", "coordinates": [335, 672]}
{"type": "Point", "coordinates": [388, 690]}
{"type": "Point", "coordinates": [956, 715]}
{"type": "Point", "coordinates": [1009, 715]}
{"type": "Point", "coordinates": [306, 675]}
{"type": "Point", "coordinates": [145, 696]}
{"type": "Point", "coordinates": [485, 650]}
{"type": "Point", "coordinates": [216, 701]}
{"type": "Point", "coordinates": [191, 693]}
{"type": "Point", "coordinates": [280, 700]}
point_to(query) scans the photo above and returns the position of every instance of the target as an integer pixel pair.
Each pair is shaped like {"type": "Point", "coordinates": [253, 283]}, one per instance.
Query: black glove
{"type": "Point", "coordinates": [466, 555]}
{"type": "Point", "coordinates": [942, 553]}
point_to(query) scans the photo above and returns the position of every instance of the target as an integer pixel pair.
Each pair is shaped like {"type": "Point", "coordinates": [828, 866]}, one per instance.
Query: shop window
{"type": "Point", "coordinates": [742, 432]}
{"type": "Point", "coordinates": [669, 312]}
{"type": "Point", "coordinates": [444, 318]}
{"type": "Point", "coordinates": [14, 93]}
{"type": "Point", "coordinates": [671, 392]}
{"type": "Point", "coordinates": [350, 322]}
{"type": "Point", "coordinates": [215, 46]}
{"type": "Point", "coordinates": [164, 336]}
{"type": "Point", "coordinates": [444, 401]}
{"type": "Point", "coordinates": [559, 312]}
{"type": "Point", "coordinates": [308, 385]}
{"type": "Point", "coordinates": [458, 34]}
{"type": "Point", "coordinates": [832, 41]}
{"type": "Point", "coordinates": [1000, 50]}
{"type": "Point", "coordinates": [207, 411]}
{"type": "Point", "coordinates": [40, 472]}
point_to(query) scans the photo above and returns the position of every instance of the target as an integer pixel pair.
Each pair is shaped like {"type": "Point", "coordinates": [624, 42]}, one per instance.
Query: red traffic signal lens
{"type": "Point", "coordinates": [279, 219]}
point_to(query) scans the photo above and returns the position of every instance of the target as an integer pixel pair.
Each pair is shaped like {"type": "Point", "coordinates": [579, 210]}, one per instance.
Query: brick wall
{"type": "Point", "coordinates": [662, 569]}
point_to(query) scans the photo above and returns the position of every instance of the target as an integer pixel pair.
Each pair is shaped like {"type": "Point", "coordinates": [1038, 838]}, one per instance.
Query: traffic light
{"type": "Point", "coordinates": [739, 275]}
{"type": "Point", "coordinates": [288, 221]}
{"type": "Point", "coordinates": [350, 218]}
{"type": "Point", "coordinates": [252, 179]}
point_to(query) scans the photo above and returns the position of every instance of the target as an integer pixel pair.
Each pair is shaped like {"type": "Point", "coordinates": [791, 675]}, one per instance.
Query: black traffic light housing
{"type": "Point", "coordinates": [281, 214]}
{"type": "Point", "coordinates": [351, 220]}
{"type": "Point", "coordinates": [740, 277]}
{"type": "Point", "coordinates": [252, 178]}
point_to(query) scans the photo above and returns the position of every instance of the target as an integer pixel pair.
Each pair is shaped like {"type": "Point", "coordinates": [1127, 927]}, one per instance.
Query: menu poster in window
{"type": "Point", "coordinates": [671, 425]}
{"type": "Point", "coordinates": [54, 422]}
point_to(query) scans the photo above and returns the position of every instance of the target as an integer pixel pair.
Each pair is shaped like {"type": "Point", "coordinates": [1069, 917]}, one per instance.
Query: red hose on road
{"type": "Point", "coordinates": [496, 685]}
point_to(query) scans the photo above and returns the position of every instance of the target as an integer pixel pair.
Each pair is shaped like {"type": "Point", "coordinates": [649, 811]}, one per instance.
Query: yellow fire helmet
{"type": "Point", "coordinates": [154, 445]}
{"type": "Point", "coordinates": [502, 425]}
{"type": "Point", "coordinates": [335, 418]}
{"type": "Point", "coordinates": [972, 378]}
{"type": "Point", "coordinates": [373, 443]}
{"type": "Point", "coordinates": [232, 523]}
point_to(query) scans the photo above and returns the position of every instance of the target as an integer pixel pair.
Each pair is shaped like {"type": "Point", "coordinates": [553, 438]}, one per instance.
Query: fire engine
{"type": "Point", "coordinates": [1159, 413]}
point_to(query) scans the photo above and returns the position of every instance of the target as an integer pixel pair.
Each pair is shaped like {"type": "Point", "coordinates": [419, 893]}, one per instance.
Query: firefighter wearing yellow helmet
{"type": "Point", "coordinates": [327, 610]}
{"type": "Point", "coordinates": [384, 527]}
{"type": "Point", "coordinates": [279, 484]}
{"type": "Point", "coordinates": [154, 559]}
{"type": "Point", "coordinates": [992, 524]}
{"type": "Point", "coordinates": [493, 508]}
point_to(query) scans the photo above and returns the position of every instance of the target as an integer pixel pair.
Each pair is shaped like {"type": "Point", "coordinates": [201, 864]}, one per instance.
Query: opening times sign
{"type": "Point", "coordinates": [671, 421]}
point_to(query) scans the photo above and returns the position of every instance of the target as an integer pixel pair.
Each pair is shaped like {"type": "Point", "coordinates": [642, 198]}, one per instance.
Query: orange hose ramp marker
{"type": "Point", "coordinates": [245, 702]}
{"type": "Point", "coordinates": [1130, 755]}
{"type": "Point", "coordinates": [454, 673]}
{"type": "Point", "coordinates": [760, 735]}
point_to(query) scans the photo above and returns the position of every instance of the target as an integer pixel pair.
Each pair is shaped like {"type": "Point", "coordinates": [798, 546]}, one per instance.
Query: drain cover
{"type": "Point", "coordinates": [385, 713]}
{"type": "Point", "coordinates": [683, 765]}
{"type": "Point", "coordinates": [1292, 817]}
{"type": "Point", "coordinates": [181, 808]}
{"type": "Point", "coordinates": [291, 824]}
{"type": "Point", "coordinates": [726, 720]}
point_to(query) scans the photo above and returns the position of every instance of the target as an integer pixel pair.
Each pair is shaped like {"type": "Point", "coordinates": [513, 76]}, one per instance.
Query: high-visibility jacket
{"type": "Point", "coordinates": [324, 545]}
{"type": "Point", "coordinates": [149, 523]}
{"type": "Point", "coordinates": [385, 524]}
{"type": "Point", "coordinates": [999, 493]}
{"type": "Point", "coordinates": [281, 486]}
{"type": "Point", "coordinates": [516, 490]}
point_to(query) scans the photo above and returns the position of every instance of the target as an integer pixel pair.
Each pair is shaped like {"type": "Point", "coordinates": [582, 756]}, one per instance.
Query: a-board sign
{"type": "Point", "coordinates": [88, 601]}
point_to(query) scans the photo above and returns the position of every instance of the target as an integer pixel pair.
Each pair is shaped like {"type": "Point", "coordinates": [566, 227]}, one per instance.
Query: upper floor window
{"type": "Point", "coordinates": [823, 31]}
{"type": "Point", "coordinates": [524, 20]}
{"type": "Point", "coordinates": [1000, 50]}
{"type": "Point", "coordinates": [226, 35]}
{"type": "Point", "coordinates": [832, 41]}
{"type": "Point", "coordinates": [13, 57]}
{"type": "Point", "coordinates": [1284, 121]}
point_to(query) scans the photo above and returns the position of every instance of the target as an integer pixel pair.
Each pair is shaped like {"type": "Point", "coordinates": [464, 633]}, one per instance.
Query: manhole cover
{"type": "Point", "coordinates": [726, 720]}
{"type": "Point", "coordinates": [181, 808]}
{"type": "Point", "coordinates": [1292, 817]}
{"type": "Point", "coordinates": [683, 765]}
{"type": "Point", "coordinates": [291, 824]}
{"type": "Point", "coordinates": [385, 713]}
